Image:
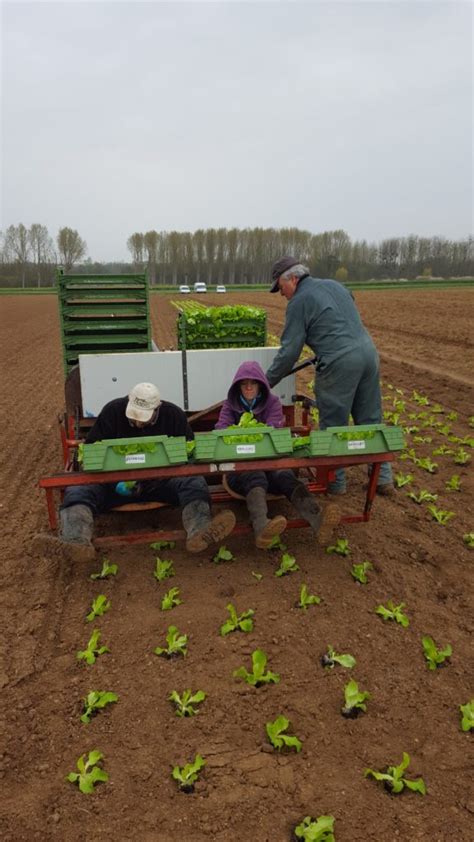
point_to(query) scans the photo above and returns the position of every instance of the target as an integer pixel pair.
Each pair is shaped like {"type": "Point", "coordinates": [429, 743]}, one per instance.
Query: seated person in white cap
{"type": "Point", "coordinates": [142, 413]}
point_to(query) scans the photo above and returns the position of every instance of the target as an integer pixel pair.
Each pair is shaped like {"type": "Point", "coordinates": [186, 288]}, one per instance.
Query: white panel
{"type": "Point", "coordinates": [210, 373]}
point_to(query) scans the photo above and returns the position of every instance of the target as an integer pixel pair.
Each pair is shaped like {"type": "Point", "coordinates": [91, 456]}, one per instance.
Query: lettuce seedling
{"type": "Point", "coordinates": [258, 676]}
{"type": "Point", "coordinates": [92, 651]}
{"type": "Point", "coordinates": [235, 623]}
{"type": "Point", "coordinates": [184, 704]}
{"type": "Point", "coordinates": [163, 569]}
{"type": "Point", "coordinates": [163, 545]}
{"type": "Point", "coordinates": [287, 565]}
{"type": "Point", "coordinates": [394, 780]}
{"type": "Point", "coordinates": [454, 483]}
{"type": "Point", "coordinates": [435, 657]}
{"type": "Point", "coordinates": [467, 715]}
{"type": "Point", "coordinates": [354, 700]}
{"type": "Point", "coordinates": [437, 409]}
{"type": "Point", "coordinates": [307, 598]}
{"type": "Point", "coordinates": [277, 544]}
{"type": "Point", "coordinates": [331, 658]}
{"type": "Point", "coordinates": [468, 539]}
{"type": "Point", "coordinates": [393, 612]}
{"type": "Point", "coordinates": [95, 701]}
{"type": "Point", "coordinates": [421, 400]}
{"type": "Point", "coordinates": [422, 439]}
{"type": "Point", "coordinates": [257, 576]}
{"type": "Point", "coordinates": [426, 464]}
{"type": "Point", "coordinates": [275, 733]}
{"type": "Point", "coordinates": [440, 515]}
{"type": "Point", "coordinates": [443, 450]}
{"type": "Point", "coordinates": [424, 496]}
{"type": "Point", "coordinates": [177, 644]}
{"type": "Point", "coordinates": [461, 457]}
{"type": "Point", "coordinates": [341, 547]}
{"type": "Point", "coordinates": [359, 572]}
{"type": "Point", "coordinates": [89, 773]}
{"type": "Point", "coordinates": [99, 607]}
{"type": "Point", "coordinates": [316, 830]}
{"type": "Point", "coordinates": [170, 599]}
{"type": "Point", "coordinates": [107, 570]}
{"type": "Point", "coordinates": [403, 479]}
{"type": "Point", "coordinates": [188, 775]}
{"type": "Point", "coordinates": [223, 554]}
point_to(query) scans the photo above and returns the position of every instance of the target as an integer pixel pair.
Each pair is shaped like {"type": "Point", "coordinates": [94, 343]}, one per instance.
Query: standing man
{"type": "Point", "coordinates": [322, 314]}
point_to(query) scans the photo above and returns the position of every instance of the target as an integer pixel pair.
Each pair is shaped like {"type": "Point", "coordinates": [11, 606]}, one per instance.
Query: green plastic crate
{"type": "Point", "coordinates": [211, 447]}
{"type": "Point", "coordinates": [348, 441]}
{"type": "Point", "coordinates": [101, 455]}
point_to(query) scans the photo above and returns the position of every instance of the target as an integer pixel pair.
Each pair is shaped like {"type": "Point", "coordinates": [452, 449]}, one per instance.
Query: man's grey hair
{"type": "Point", "coordinates": [299, 270]}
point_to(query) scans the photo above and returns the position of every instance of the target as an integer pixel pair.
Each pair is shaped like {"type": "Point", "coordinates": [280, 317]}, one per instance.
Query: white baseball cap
{"type": "Point", "coordinates": [143, 399]}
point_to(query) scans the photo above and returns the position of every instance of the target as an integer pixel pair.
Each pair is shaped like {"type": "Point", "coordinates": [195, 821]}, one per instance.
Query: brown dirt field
{"type": "Point", "coordinates": [247, 793]}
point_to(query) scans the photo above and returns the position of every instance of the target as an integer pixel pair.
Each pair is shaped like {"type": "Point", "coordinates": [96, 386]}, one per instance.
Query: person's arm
{"type": "Point", "coordinates": [103, 428]}
{"type": "Point", "coordinates": [226, 417]}
{"type": "Point", "coordinates": [292, 341]}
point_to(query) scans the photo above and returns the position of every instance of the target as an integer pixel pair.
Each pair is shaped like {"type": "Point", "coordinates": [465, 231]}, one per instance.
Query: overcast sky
{"type": "Point", "coordinates": [120, 117]}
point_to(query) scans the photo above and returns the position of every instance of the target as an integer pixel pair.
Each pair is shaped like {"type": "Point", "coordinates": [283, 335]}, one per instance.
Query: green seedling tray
{"type": "Point", "coordinates": [349, 441]}
{"type": "Point", "coordinates": [211, 447]}
{"type": "Point", "coordinates": [101, 455]}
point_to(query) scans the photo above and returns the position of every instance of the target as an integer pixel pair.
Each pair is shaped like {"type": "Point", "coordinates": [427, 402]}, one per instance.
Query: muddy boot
{"type": "Point", "coordinates": [322, 520]}
{"type": "Point", "coordinates": [74, 542]}
{"type": "Point", "coordinates": [201, 529]}
{"type": "Point", "coordinates": [265, 530]}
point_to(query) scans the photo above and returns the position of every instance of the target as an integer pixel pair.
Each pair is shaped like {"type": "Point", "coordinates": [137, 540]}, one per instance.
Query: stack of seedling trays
{"type": "Point", "coordinates": [348, 441]}
{"type": "Point", "coordinates": [128, 454]}
{"type": "Point", "coordinates": [243, 443]}
{"type": "Point", "coordinates": [102, 314]}
{"type": "Point", "coordinates": [222, 327]}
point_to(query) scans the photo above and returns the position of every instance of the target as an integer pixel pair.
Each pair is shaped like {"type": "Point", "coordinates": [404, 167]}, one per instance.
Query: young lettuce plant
{"type": "Point", "coordinates": [177, 644]}
{"type": "Point", "coordinates": [108, 569]}
{"type": "Point", "coordinates": [163, 569]}
{"type": "Point", "coordinates": [99, 607]}
{"type": "Point", "coordinates": [461, 457]}
{"type": "Point", "coordinates": [331, 658]}
{"type": "Point", "coordinates": [424, 496]}
{"type": "Point", "coordinates": [223, 554]}
{"type": "Point", "coordinates": [354, 700]}
{"type": "Point", "coordinates": [467, 716]}
{"type": "Point", "coordinates": [93, 650]}
{"type": "Point", "coordinates": [95, 701]}
{"type": "Point", "coordinates": [454, 483]}
{"type": "Point", "coordinates": [170, 599]}
{"type": "Point", "coordinates": [243, 622]}
{"type": "Point", "coordinates": [441, 516]}
{"type": "Point", "coordinates": [307, 599]}
{"type": "Point", "coordinates": [316, 830]}
{"type": "Point", "coordinates": [287, 565]}
{"type": "Point", "coordinates": [187, 776]}
{"type": "Point", "coordinates": [184, 703]}
{"type": "Point", "coordinates": [403, 479]}
{"type": "Point", "coordinates": [275, 733]}
{"type": "Point", "coordinates": [393, 612]}
{"type": "Point", "coordinates": [277, 544]}
{"type": "Point", "coordinates": [393, 778]}
{"type": "Point", "coordinates": [468, 539]}
{"type": "Point", "coordinates": [359, 572]}
{"type": "Point", "coordinates": [89, 773]}
{"type": "Point", "coordinates": [426, 464]}
{"type": "Point", "coordinates": [257, 576]}
{"type": "Point", "coordinates": [341, 547]}
{"type": "Point", "coordinates": [163, 545]}
{"type": "Point", "coordinates": [435, 657]}
{"type": "Point", "coordinates": [258, 676]}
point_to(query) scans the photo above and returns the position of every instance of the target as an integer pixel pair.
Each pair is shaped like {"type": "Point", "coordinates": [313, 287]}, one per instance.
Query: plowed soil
{"type": "Point", "coordinates": [247, 791]}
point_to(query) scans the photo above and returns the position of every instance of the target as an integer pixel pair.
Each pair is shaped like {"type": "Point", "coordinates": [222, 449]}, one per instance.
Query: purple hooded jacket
{"type": "Point", "coordinates": [268, 410]}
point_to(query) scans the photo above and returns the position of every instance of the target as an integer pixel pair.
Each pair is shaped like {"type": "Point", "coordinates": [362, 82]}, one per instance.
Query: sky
{"type": "Point", "coordinates": [130, 116]}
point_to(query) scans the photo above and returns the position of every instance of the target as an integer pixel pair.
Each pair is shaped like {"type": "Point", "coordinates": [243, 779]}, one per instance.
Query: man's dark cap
{"type": "Point", "coordinates": [281, 266]}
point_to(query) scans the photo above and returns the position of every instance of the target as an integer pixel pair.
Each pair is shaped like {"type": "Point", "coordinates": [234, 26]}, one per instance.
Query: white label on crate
{"type": "Point", "coordinates": [135, 459]}
{"type": "Point", "coordinates": [356, 445]}
{"type": "Point", "coordinates": [226, 466]}
{"type": "Point", "coordinates": [245, 448]}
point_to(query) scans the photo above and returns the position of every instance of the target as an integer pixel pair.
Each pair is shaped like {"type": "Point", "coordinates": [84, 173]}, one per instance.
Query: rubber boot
{"type": "Point", "coordinates": [201, 529]}
{"type": "Point", "coordinates": [322, 520]}
{"type": "Point", "coordinates": [74, 542]}
{"type": "Point", "coordinates": [265, 530]}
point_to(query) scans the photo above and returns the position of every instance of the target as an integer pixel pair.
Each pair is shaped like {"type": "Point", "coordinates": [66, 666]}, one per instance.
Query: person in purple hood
{"type": "Point", "coordinates": [250, 392]}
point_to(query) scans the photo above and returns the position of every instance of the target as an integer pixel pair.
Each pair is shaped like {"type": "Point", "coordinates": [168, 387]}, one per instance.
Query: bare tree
{"type": "Point", "coordinates": [41, 246]}
{"type": "Point", "coordinates": [151, 241]}
{"type": "Point", "coordinates": [136, 247]}
{"type": "Point", "coordinates": [71, 247]}
{"type": "Point", "coordinates": [17, 247]}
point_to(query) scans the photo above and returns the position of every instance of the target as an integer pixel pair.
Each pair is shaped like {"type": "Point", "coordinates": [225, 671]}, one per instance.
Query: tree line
{"type": "Point", "coordinates": [29, 256]}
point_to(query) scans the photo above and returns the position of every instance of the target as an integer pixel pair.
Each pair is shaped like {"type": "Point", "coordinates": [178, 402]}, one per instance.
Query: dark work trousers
{"type": "Point", "coordinates": [101, 498]}
{"type": "Point", "coordinates": [274, 482]}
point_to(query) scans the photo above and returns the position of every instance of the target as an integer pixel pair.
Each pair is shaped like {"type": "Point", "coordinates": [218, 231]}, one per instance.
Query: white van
{"type": "Point", "coordinates": [200, 287]}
